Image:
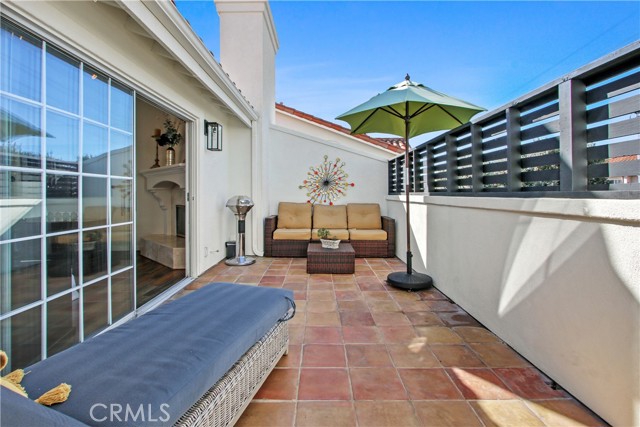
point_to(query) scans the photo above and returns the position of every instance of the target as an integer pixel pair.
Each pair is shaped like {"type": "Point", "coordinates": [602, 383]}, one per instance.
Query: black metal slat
{"type": "Point", "coordinates": [461, 130]}
{"type": "Point", "coordinates": [542, 160]}
{"type": "Point", "coordinates": [492, 121]}
{"type": "Point", "coordinates": [439, 150]}
{"type": "Point", "coordinates": [540, 146]}
{"type": "Point", "coordinates": [529, 118]}
{"type": "Point", "coordinates": [489, 132]}
{"type": "Point", "coordinates": [494, 167]}
{"type": "Point", "coordinates": [495, 179]}
{"type": "Point", "coordinates": [614, 109]}
{"type": "Point", "coordinates": [614, 130]}
{"type": "Point", "coordinates": [541, 175]}
{"type": "Point", "coordinates": [464, 152]}
{"type": "Point", "coordinates": [598, 170]}
{"type": "Point", "coordinates": [542, 98]}
{"type": "Point", "coordinates": [465, 161]}
{"type": "Point", "coordinates": [603, 92]}
{"type": "Point", "coordinates": [494, 155]}
{"type": "Point", "coordinates": [461, 142]}
{"type": "Point", "coordinates": [542, 188]}
{"type": "Point", "coordinates": [541, 130]}
{"type": "Point", "coordinates": [495, 143]}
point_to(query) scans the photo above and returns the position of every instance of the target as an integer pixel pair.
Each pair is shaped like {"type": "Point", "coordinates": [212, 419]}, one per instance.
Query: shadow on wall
{"type": "Point", "coordinates": [558, 289]}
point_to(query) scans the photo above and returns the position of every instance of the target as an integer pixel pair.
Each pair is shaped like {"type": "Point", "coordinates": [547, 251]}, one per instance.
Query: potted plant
{"type": "Point", "coordinates": [170, 137]}
{"type": "Point", "coordinates": [326, 240]}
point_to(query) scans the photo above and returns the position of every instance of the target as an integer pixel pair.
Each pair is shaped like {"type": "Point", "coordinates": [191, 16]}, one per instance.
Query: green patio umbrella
{"type": "Point", "coordinates": [13, 127]}
{"type": "Point", "coordinates": [409, 109]}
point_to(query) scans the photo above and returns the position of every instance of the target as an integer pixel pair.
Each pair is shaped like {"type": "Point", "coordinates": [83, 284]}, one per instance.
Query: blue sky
{"type": "Point", "coordinates": [335, 55]}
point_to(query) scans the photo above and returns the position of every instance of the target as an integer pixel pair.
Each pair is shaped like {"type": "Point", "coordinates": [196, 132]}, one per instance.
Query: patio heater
{"type": "Point", "coordinates": [240, 205]}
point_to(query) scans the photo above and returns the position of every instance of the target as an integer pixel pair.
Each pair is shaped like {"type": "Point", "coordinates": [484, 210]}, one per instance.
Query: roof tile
{"type": "Point", "coordinates": [393, 144]}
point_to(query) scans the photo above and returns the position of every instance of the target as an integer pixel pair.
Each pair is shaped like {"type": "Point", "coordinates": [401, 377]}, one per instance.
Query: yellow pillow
{"type": "Point", "coordinates": [365, 216]}
{"type": "Point", "coordinates": [331, 217]}
{"type": "Point", "coordinates": [294, 215]}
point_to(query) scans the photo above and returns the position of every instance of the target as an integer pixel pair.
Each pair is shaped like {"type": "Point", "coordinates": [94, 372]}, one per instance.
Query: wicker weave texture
{"type": "Point", "coordinates": [334, 261]}
{"type": "Point", "coordinates": [224, 403]}
{"type": "Point", "coordinates": [290, 248]}
{"type": "Point", "coordinates": [370, 248]}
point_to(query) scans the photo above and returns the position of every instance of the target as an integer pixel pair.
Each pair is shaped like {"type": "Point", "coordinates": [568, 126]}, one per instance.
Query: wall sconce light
{"type": "Point", "coordinates": [213, 132]}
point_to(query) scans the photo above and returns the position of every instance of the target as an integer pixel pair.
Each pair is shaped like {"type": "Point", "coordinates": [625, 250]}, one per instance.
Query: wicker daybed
{"type": "Point", "coordinates": [197, 361]}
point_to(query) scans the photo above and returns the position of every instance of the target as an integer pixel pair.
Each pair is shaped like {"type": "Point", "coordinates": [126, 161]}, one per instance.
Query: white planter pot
{"type": "Point", "coordinates": [330, 244]}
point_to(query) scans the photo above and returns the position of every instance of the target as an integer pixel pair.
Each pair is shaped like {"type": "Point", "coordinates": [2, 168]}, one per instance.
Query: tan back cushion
{"type": "Point", "coordinates": [365, 216]}
{"type": "Point", "coordinates": [325, 216]}
{"type": "Point", "coordinates": [294, 215]}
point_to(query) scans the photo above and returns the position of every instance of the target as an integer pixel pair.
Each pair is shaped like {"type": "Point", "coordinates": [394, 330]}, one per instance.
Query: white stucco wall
{"type": "Point", "coordinates": [294, 146]}
{"type": "Point", "coordinates": [106, 37]}
{"type": "Point", "coordinates": [557, 279]}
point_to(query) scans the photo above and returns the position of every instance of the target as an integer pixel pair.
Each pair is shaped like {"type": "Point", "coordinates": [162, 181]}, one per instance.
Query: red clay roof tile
{"type": "Point", "coordinates": [393, 144]}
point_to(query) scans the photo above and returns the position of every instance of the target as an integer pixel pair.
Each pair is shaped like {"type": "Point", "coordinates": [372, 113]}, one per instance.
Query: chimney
{"type": "Point", "coordinates": [248, 46]}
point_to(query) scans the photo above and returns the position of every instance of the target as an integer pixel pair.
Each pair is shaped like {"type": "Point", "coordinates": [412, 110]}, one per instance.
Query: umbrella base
{"type": "Point", "coordinates": [410, 282]}
{"type": "Point", "coordinates": [240, 261]}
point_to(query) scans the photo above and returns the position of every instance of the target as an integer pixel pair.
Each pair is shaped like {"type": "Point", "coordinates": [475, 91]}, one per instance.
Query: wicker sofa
{"type": "Point", "coordinates": [196, 361]}
{"type": "Point", "coordinates": [289, 233]}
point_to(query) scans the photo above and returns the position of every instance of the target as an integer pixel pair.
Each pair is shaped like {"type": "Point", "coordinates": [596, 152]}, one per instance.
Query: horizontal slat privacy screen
{"type": "Point", "coordinates": [572, 138]}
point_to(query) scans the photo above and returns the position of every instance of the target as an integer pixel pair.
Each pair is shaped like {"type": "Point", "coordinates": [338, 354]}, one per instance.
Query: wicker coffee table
{"type": "Point", "coordinates": [334, 261]}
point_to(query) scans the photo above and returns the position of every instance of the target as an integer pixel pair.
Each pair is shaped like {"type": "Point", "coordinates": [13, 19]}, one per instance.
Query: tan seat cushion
{"type": "Point", "coordinates": [367, 234]}
{"type": "Point", "coordinates": [364, 216]}
{"type": "Point", "coordinates": [340, 234]}
{"type": "Point", "coordinates": [330, 217]}
{"type": "Point", "coordinates": [294, 215]}
{"type": "Point", "coordinates": [66, 239]}
{"type": "Point", "coordinates": [292, 234]}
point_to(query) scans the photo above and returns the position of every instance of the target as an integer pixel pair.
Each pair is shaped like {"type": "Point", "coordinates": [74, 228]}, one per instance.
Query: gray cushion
{"type": "Point", "coordinates": [19, 411]}
{"type": "Point", "coordinates": [164, 361]}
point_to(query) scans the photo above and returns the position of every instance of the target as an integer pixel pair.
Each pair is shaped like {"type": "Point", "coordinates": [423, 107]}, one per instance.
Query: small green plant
{"type": "Point", "coordinates": [323, 233]}
{"type": "Point", "coordinates": [171, 136]}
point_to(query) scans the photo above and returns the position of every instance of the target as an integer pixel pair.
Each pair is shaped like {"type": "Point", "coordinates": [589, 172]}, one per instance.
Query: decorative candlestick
{"type": "Point", "coordinates": [155, 136]}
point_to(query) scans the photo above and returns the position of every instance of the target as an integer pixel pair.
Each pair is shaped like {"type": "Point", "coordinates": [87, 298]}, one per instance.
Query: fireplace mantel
{"type": "Point", "coordinates": [173, 173]}
{"type": "Point", "coordinates": [161, 181]}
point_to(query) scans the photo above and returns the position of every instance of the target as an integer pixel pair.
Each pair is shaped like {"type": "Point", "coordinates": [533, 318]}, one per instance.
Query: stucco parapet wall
{"type": "Point", "coordinates": [603, 210]}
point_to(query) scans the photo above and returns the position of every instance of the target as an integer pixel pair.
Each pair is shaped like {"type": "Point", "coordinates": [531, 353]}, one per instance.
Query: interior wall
{"type": "Point", "coordinates": [558, 280]}
{"type": "Point", "coordinates": [151, 218]}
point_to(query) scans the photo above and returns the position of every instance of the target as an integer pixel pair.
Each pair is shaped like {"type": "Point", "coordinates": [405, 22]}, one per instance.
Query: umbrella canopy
{"type": "Point", "coordinates": [409, 109]}
{"type": "Point", "coordinates": [13, 127]}
{"type": "Point", "coordinates": [427, 110]}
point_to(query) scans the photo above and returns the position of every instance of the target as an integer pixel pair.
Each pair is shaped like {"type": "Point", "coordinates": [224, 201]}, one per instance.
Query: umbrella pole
{"type": "Point", "coordinates": [409, 281]}
{"type": "Point", "coordinates": [407, 190]}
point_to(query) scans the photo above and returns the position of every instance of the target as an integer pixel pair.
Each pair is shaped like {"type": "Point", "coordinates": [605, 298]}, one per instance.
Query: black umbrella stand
{"type": "Point", "coordinates": [410, 281]}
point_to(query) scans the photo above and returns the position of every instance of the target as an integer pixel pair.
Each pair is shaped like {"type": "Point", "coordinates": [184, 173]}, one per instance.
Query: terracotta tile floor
{"type": "Point", "coordinates": [365, 354]}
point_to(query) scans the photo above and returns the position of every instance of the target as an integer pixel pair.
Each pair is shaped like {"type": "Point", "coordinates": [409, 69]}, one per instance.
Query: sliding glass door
{"type": "Point", "coordinates": [66, 198]}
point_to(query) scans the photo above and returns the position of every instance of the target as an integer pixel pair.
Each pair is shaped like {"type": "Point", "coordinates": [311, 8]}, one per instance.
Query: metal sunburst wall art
{"type": "Point", "coordinates": [326, 183]}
